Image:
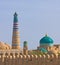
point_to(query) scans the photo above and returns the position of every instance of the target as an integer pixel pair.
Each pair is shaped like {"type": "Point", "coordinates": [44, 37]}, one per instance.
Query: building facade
{"type": "Point", "coordinates": [46, 54]}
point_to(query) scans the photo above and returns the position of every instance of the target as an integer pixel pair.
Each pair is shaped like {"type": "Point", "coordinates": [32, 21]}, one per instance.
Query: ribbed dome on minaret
{"type": "Point", "coordinates": [15, 36]}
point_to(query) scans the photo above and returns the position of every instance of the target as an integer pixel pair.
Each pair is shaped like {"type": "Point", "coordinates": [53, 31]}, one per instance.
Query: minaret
{"type": "Point", "coordinates": [15, 36]}
{"type": "Point", "coordinates": [25, 48]}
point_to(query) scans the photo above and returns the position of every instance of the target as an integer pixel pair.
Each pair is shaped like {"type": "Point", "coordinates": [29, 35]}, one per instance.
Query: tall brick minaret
{"type": "Point", "coordinates": [15, 36]}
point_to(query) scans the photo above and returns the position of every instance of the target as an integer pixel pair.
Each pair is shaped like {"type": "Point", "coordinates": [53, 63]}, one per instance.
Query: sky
{"type": "Point", "coordinates": [36, 18]}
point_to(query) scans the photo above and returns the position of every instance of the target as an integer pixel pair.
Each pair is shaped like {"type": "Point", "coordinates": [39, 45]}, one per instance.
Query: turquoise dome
{"type": "Point", "coordinates": [43, 50]}
{"type": "Point", "coordinates": [25, 43]}
{"type": "Point", "coordinates": [46, 40]}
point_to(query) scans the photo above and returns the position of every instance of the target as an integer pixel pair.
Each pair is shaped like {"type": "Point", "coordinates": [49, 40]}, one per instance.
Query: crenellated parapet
{"type": "Point", "coordinates": [18, 59]}
{"type": "Point", "coordinates": [17, 55]}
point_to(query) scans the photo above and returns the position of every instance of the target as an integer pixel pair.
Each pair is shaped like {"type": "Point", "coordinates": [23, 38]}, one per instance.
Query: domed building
{"type": "Point", "coordinates": [4, 46]}
{"type": "Point", "coordinates": [46, 41]}
{"type": "Point", "coordinates": [46, 45]}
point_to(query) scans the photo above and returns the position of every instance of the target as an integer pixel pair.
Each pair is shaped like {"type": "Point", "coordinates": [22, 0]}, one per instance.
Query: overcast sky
{"type": "Point", "coordinates": [36, 18]}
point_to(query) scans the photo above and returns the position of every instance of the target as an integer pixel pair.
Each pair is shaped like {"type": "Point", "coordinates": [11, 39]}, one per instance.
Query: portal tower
{"type": "Point", "coordinates": [15, 36]}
